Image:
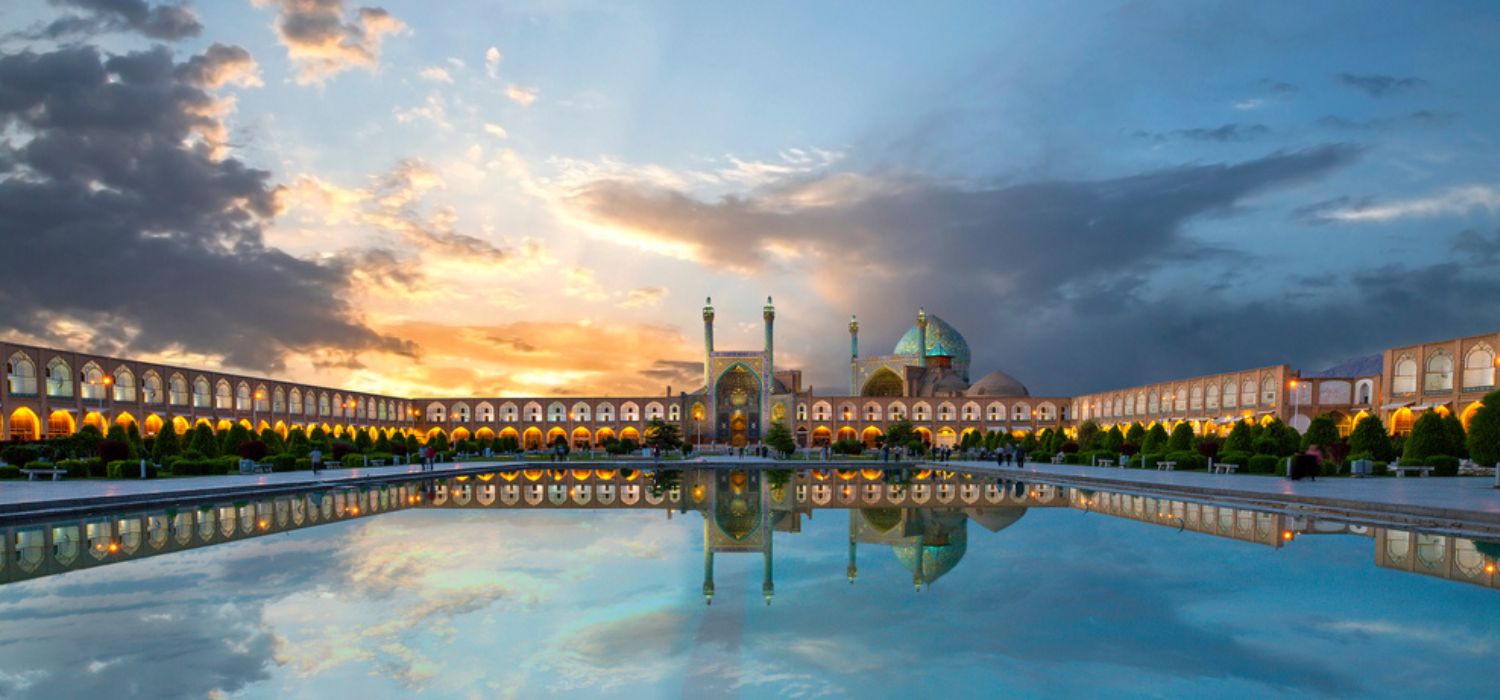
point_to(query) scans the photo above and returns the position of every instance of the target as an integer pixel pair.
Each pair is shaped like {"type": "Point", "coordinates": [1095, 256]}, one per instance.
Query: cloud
{"type": "Point", "coordinates": [1478, 247]}
{"type": "Point", "coordinates": [1227, 133]}
{"type": "Point", "coordinates": [121, 180]}
{"type": "Point", "coordinates": [1458, 201]}
{"type": "Point", "coordinates": [1421, 117]}
{"type": "Point", "coordinates": [323, 39]}
{"type": "Point", "coordinates": [495, 130]}
{"type": "Point", "coordinates": [168, 22]}
{"type": "Point", "coordinates": [220, 65]}
{"type": "Point", "coordinates": [523, 96]}
{"type": "Point", "coordinates": [644, 296]}
{"type": "Point", "coordinates": [436, 74]}
{"type": "Point", "coordinates": [1378, 85]}
{"type": "Point", "coordinates": [492, 62]}
{"type": "Point", "coordinates": [1050, 230]}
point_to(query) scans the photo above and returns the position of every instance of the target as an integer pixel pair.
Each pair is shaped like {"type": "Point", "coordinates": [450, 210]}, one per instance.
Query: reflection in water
{"type": "Point", "coordinates": [921, 515]}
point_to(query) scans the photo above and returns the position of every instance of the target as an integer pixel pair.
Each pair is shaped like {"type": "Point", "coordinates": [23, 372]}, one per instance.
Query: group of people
{"type": "Point", "coordinates": [1010, 454]}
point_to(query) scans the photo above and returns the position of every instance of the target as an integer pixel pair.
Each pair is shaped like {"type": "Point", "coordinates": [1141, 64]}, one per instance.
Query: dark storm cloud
{"type": "Point", "coordinates": [679, 372]}
{"type": "Point", "coordinates": [1379, 85]}
{"type": "Point", "coordinates": [1421, 117]}
{"type": "Point", "coordinates": [1025, 239]}
{"type": "Point", "coordinates": [168, 22]}
{"type": "Point", "coordinates": [1478, 247]}
{"type": "Point", "coordinates": [1227, 133]}
{"type": "Point", "coordinates": [119, 213]}
{"type": "Point", "coordinates": [1279, 87]}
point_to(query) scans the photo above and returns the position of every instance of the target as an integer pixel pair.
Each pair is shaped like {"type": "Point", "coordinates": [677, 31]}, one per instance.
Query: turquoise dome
{"type": "Point", "coordinates": [935, 552]}
{"type": "Point", "coordinates": [943, 340]}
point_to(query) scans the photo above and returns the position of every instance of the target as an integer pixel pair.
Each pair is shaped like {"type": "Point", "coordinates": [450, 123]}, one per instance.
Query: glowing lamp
{"type": "Point", "coordinates": [114, 547]}
{"type": "Point", "coordinates": [1287, 535]}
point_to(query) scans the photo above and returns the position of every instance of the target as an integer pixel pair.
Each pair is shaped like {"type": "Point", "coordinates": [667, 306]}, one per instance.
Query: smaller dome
{"type": "Point", "coordinates": [998, 383]}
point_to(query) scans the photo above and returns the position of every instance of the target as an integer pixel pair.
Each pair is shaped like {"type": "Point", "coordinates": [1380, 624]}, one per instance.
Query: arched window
{"type": "Point", "coordinates": [508, 412]}
{"type": "Point", "coordinates": [262, 398]}
{"type": "Point", "coordinates": [556, 412]}
{"type": "Point", "coordinates": [921, 411]}
{"type": "Point", "coordinates": [995, 412]}
{"type": "Point", "coordinates": [1153, 404]}
{"type": "Point", "coordinates": [1247, 392]}
{"type": "Point", "coordinates": [822, 410]}
{"type": "Point", "coordinates": [945, 411]}
{"type": "Point", "coordinates": [310, 403]}
{"type": "Point", "coordinates": [1213, 396]}
{"type": "Point", "coordinates": [242, 397]}
{"type": "Point", "coordinates": [484, 412]}
{"type": "Point", "coordinates": [91, 380]}
{"type": "Point", "coordinates": [1364, 391]}
{"type": "Point", "coordinates": [674, 412]}
{"type": "Point", "coordinates": [294, 401]}
{"type": "Point", "coordinates": [435, 413]}
{"type": "Point", "coordinates": [1195, 398]}
{"type": "Point", "coordinates": [1268, 391]}
{"type": "Point", "coordinates": [1231, 394]}
{"type": "Point", "coordinates": [1439, 373]}
{"type": "Point", "coordinates": [801, 411]}
{"type": "Point", "coordinates": [325, 407]}
{"type": "Point", "coordinates": [20, 371]}
{"type": "Point", "coordinates": [203, 396]}
{"type": "Point", "coordinates": [460, 413]}
{"type": "Point", "coordinates": [124, 386]}
{"type": "Point", "coordinates": [1404, 376]}
{"type": "Point", "coordinates": [59, 378]}
{"type": "Point", "coordinates": [1020, 411]}
{"type": "Point", "coordinates": [872, 410]}
{"type": "Point", "coordinates": [1047, 411]}
{"type": "Point", "coordinates": [151, 387]}
{"type": "Point", "coordinates": [1479, 368]}
{"type": "Point", "coordinates": [580, 412]}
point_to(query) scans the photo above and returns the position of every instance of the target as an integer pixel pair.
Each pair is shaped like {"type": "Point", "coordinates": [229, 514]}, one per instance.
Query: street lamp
{"type": "Point", "coordinates": [255, 400]}
{"type": "Point", "coordinates": [1296, 404]}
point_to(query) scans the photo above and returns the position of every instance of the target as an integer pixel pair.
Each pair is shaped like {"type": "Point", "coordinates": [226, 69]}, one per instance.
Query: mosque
{"type": "Point", "coordinates": [924, 380]}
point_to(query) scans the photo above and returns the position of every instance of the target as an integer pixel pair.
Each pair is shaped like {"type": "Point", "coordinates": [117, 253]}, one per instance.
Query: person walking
{"type": "Point", "coordinates": [316, 457]}
{"type": "Point", "coordinates": [1020, 459]}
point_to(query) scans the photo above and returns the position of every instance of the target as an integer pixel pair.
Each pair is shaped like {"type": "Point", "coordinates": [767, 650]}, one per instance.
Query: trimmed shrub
{"type": "Point", "coordinates": [1187, 461]}
{"type": "Point", "coordinates": [353, 460]}
{"type": "Point", "coordinates": [1428, 438]}
{"type": "Point", "coordinates": [1232, 457]}
{"type": "Point", "coordinates": [284, 462]}
{"type": "Point", "coordinates": [253, 450]}
{"type": "Point", "coordinates": [1369, 438]}
{"type": "Point", "coordinates": [1484, 431]}
{"type": "Point", "coordinates": [20, 454]}
{"type": "Point", "coordinates": [1443, 465]}
{"type": "Point", "coordinates": [1261, 464]}
{"type": "Point", "coordinates": [1181, 439]}
{"type": "Point", "coordinates": [1147, 461]}
{"type": "Point", "coordinates": [114, 450]}
{"type": "Point", "coordinates": [339, 449]}
{"type": "Point", "coordinates": [10, 471]}
{"type": "Point", "coordinates": [129, 469]}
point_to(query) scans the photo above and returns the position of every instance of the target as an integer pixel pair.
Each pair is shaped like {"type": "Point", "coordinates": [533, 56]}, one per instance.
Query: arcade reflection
{"type": "Point", "coordinates": [923, 516]}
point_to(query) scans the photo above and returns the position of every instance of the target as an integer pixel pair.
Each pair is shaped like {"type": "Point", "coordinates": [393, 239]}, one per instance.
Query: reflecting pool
{"type": "Point", "coordinates": [756, 584]}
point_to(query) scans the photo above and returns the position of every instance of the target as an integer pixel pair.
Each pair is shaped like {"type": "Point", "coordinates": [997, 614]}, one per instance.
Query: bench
{"type": "Point", "coordinates": [249, 467]}
{"type": "Point", "coordinates": [1165, 466]}
{"type": "Point", "coordinates": [1402, 469]}
{"type": "Point", "coordinates": [1057, 459]}
{"type": "Point", "coordinates": [1225, 468]}
{"type": "Point", "coordinates": [377, 462]}
{"type": "Point", "coordinates": [57, 474]}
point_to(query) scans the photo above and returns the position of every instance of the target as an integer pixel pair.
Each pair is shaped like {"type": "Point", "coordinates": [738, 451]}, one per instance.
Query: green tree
{"type": "Point", "coordinates": [1156, 440]}
{"type": "Point", "coordinates": [1135, 434]}
{"type": "Point", "coordinates": [1088, 434]}
{"type": "Point", "coordinates": [900, 432]}
{"type": "Point", "coordinates": [779, 438]}
{"type": "Point", "coordinates": [1453, 429]}
{"type": "Point", "coordinates": [1241, 438]}
{"type": "Point", "coordinates": [1484, 431]}
{"type": "Point", "coordinates": [204, 441]}
{"type": "Point", "coordinates": [1369, 438]}
{"type": "Point", "coordinates": [362, 441]}
{"type": "Point", "coordinates": [662, 435]}
{"type": "Point", "coordinates": [1321, 432]}
{"type": "Point", "coordinates": [230, 442]}
{"type": "Point", "coordinates": [1113, 439]}
{"type": "Point", "coordinates": [383, 443]}
{"type": "Point", "coordinates": [318, 434]}
{"type": "Point", "coordinates": [1182, 438]}
{"type": "Point", "coordinates": [274, 444]}
{"type": "Point", "coordinates": [439, 441]}
{"type": "Point", "coordinates": [297, 444]}
{"type": "Point", "coordinates": [166, 444]}
{"type": "Point", "coordinates": [1428, 439]}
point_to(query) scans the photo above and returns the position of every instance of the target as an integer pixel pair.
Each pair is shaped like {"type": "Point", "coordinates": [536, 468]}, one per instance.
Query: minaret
{"type": "Point", "coordinates": [921, 337]}
{"type": "Point", "coordinates": [708, 566]}
{"type": "Point", "coordinates": [853, 355]}
{"type": "Point", "coordinates": [769, 314]}
{"type": "Point", "coordinates": [853, 570]}
{"type": "Point", "coordinates": [767, 587]}
{"type": "Point", "coordinates": [708, 343]}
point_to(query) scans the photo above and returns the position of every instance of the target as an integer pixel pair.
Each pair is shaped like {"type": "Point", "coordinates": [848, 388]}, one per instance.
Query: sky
{"type": "Point", "coordinates": [536, 197]}
{"type": "Point", "coordinates": [493, 603]}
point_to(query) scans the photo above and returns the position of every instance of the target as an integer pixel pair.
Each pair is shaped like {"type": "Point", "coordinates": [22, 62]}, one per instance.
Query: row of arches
{"type": "Point", "coordinates": [24, 424]}
{"type": "Point", "coordinates": [1212, 394]}
{"type": "Point", "coordinates": [552, 412]}
{"type": "Point", "coordinates": [946, 411]}
{"type": "Point", "coordinates": [122, 385]}
{"type": "Point", "coordinates": [1479, 368]}
{"type": "Point", "coordinates": [534, 438]}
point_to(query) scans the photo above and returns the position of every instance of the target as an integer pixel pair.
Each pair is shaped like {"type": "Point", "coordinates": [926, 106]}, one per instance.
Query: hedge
{"type": "Point", "coordinates": [1187, 461]}
{"type": "Point", "coordinates": [1260, 463]}
{"type": "Point", "coordinates": [1234, 457]}
{"type": "Point", "coordinates": [184, 466]}
{"type": "Point", "coordinates": [20, 454]}
{"type": "Point", "coordinates": [1147, 461]}
{"type": "Point", "coordinates": [10, 471]}
{"type": "Point", "coordinates": [1443, 465]}
{"type": "Point", "coordinates": [129, 469]}
{"type": "Point", "coordinates": [283, 462]}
